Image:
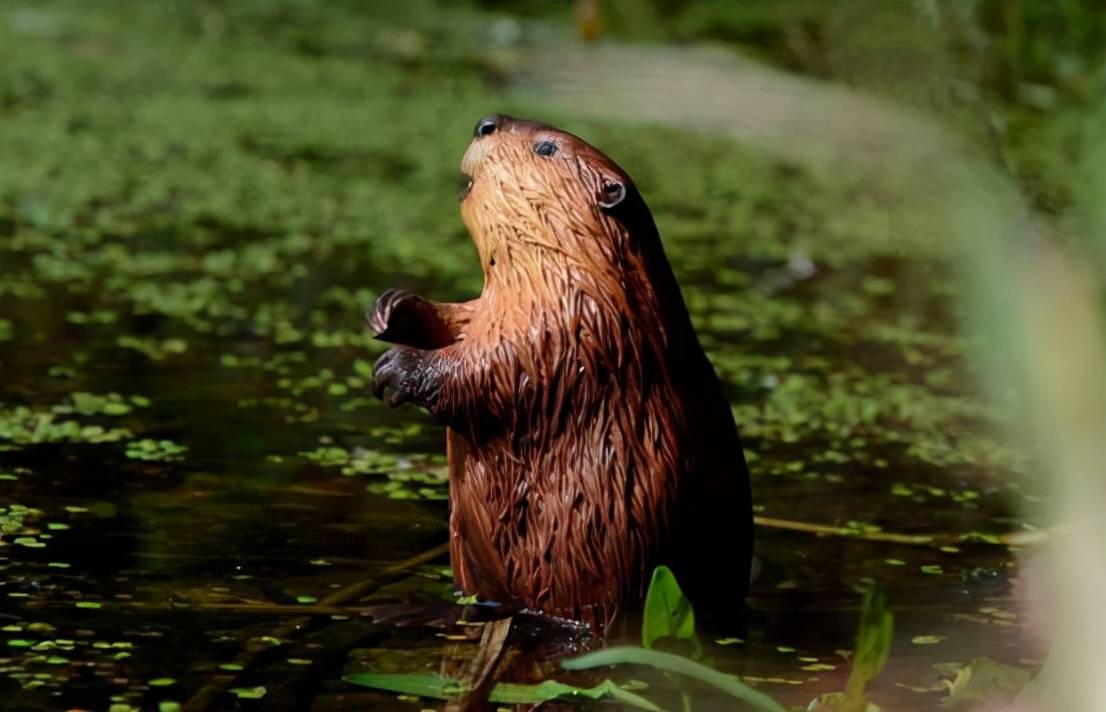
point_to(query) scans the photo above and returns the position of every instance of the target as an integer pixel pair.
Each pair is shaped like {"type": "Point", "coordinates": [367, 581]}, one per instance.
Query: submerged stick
{"type": "Point", "coordinates": [830, 530]}
{"type": "Point", "coordinates": [479, 677]}
{"type": "Point", "coordinates": [1023, 538]}
{"type": "Point", "coordinates": [256, 608]}
{"type": "Point", "coordinates": [206, 694]}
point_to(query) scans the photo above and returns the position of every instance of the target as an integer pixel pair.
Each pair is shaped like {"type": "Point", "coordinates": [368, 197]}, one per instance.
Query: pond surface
{"type": "Point", "coordinates": [274, 484]}
{"type": "Point", "coordinates": [192, 467]}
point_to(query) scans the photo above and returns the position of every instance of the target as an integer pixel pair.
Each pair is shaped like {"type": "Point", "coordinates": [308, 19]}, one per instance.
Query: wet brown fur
{"type": "Point", "coordinates": [589, 438]}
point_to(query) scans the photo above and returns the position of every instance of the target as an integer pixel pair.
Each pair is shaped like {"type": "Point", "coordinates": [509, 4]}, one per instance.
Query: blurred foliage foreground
{"type": "Point", "coordinates": [867, 204]}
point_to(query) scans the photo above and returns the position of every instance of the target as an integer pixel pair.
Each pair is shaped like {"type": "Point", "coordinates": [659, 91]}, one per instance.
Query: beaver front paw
{"type": "Point", "coordinates": [405, 372]}
{"type": "Point", "coordinates": [402, 317]}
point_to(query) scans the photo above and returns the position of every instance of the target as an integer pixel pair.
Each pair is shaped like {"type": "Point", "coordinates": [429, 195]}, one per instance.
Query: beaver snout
{"type": "Point", "coordinates": [474, 156]}
{"type": "Point", "coordinates": [479, 148]}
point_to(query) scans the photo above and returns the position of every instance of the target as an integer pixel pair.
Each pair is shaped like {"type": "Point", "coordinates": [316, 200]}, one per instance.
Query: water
{"type": "Point", "coordinates": [194, 562]}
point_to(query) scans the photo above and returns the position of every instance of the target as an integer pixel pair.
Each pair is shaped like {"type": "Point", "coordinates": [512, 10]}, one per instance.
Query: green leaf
{"type": "Point", "coordinates": [873, 642]}
{"type": "Point", "coordinates": [249, 693]}
{"type": "Point", "coordinates": [927, 639]}
{"type": "Point", "coordinates": [434, 686]}
{"type": "Point", "coordinates": [512, 694]}
{"type": "Point", "coordinates": [668, 613]}
{"type": "Point", "coordinates": [115, 408]}
{"type": "Point", "coordinates": [678, 664]}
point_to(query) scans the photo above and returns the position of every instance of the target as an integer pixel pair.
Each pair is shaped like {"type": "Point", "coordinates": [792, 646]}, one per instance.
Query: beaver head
{"type": "Point", "coordinates": [535, 188]}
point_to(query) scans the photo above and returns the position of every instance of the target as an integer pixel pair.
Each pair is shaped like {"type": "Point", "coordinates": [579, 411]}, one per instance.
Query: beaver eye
{"type": "Point", "coordinates": [545, 148]}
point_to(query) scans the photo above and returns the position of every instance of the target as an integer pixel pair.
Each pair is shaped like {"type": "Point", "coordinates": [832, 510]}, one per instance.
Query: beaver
{"type": "Point", "coordinates": [588, 437]}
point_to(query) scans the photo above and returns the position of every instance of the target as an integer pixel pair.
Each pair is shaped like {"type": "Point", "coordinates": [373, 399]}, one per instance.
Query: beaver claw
{"type": "Point", "coordinates": [403, 371]}
{"type": "Point", "coordinates": [401, 317]}
{"type": "Point", "coordinates": [380, 316]}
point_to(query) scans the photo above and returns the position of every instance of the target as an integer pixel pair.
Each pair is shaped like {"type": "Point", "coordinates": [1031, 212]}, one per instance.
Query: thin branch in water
{"type": "Point", "coordinates": [205, 696]}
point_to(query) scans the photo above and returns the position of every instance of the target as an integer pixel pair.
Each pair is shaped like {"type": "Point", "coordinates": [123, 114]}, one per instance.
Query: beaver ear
{"type": "Point", "coordinates": [611, 194]}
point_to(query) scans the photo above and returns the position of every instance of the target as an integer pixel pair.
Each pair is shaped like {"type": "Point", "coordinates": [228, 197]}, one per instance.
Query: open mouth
{"type": "Point", "coordinates": [465, 191]}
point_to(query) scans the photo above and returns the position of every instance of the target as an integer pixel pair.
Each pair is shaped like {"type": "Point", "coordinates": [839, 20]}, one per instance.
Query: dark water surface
{"type": "Point", "coordinates": [133, 581]}
{"type": "Point", "coordinates": [197, 206]}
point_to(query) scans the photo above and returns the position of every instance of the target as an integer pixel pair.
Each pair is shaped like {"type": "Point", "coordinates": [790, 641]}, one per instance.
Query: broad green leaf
{"type": "Point", "coordinates": [511, 694]}
{"type": "Point", "coordinates": [678, 664]}
{"type": "Point", "coordinates": [873, 641]}
{"type": "Point", "coordinates": [873, 644]}
{"type": "Point", "coordinates": [434, 686]}
{"type": "Point", "coordinates": [668, 613]}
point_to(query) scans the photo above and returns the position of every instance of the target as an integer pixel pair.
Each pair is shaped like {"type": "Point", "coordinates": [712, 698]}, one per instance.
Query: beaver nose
{"type": "Point", "coordinates": [486, 126]}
